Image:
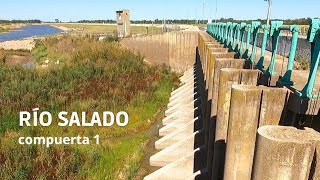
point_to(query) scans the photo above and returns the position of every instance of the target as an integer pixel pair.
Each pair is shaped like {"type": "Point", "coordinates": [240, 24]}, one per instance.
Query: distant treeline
{"type": "Point", "coordinates": [108, 21]}
{"type": "Point", "coordinates": [21, 21]}
{"type": "Point", "coordinates": [300, 21]}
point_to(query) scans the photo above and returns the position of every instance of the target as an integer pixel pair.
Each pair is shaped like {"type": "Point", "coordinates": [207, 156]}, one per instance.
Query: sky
{"type": "Point", "coordinates": [74, 10]}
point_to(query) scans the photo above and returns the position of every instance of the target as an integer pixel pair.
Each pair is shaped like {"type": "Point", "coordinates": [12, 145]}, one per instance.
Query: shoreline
{"type": "Point", "coordinates": [19, 44]}
{"type": "Point", "coordinates": [11, 27]}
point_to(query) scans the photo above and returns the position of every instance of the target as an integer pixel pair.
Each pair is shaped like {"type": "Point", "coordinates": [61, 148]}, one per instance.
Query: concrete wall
{"type": "Point", "coordinates": [176, 49]}
{"type": "Point", "coordinates": [220, 124]}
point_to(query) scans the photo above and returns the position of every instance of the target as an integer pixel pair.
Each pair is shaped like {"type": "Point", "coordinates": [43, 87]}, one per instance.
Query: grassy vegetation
{"type": "Point", "coordinates": [302, 64]}
{"type": "Point", "coordinates": [107, 28]}
{"type": "Point", "coordinates": [91, 76]}
{"type": "Point", "coordinates": [6, 27]}
{"type": "Point", "coordinates": [3, 30]}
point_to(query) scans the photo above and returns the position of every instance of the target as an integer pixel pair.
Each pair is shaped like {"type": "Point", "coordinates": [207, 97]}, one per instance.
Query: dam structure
{"type": "Point", "coordinates": [243, 109]}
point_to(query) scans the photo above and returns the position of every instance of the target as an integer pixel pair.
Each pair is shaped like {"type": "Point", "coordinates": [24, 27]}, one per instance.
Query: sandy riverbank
{"type": "Point", "coordinates": [9, 27]}
{"type": "Point", "coordinates": [25, 44]}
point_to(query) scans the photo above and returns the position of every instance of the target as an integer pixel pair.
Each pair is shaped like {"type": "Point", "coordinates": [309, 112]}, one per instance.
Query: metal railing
{"type": "Point", "coordinates": [235, 35]}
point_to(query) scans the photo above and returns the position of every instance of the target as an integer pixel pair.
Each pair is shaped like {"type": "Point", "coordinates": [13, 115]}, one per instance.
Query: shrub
{"type": "Point", "coordinates": [93, 76]}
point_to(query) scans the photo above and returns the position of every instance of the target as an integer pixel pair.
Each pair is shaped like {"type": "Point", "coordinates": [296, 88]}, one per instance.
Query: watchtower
{"type": "Point", "coordinates": [123, 23]}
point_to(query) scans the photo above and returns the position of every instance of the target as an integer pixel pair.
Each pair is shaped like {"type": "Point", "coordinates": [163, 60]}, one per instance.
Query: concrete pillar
{"type": "Point", "coordinates": [249, 77]}
{"type": "Point", "coordinates": [315, 167]}
{"type": "Point", "coordinates": [283, 153]}
{"type": "Point", "coordinates": [228, 77]}
{"type": "Point", "coordinates": [217, 62]}
{"type": "Point", "coordinates": [272, 106]}
{"type": "Point", "coordinates": [242, 127]}
{"type": "Point", "coordinates": [316, 175]}
{"type": "Point", "coordinates": [222, 60]}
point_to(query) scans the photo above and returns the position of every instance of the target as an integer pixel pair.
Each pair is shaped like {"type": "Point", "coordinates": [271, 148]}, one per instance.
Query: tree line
{"type": "Point", "coordinates": [20, 21]}
{"type": "Point", "coordinates": [299, 21]}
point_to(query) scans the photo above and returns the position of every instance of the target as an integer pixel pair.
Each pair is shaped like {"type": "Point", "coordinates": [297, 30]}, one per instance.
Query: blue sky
{"type": "Point", "coordinates": [74, 10]}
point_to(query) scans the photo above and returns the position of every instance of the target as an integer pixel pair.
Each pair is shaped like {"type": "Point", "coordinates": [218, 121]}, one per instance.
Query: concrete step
{"type": "Point", "coordinates": [184, 88]}
{"type": "Point", "coordinates": [175, 136]}
{"type": "Point", "coordinates": [181, 169]}
{"type": "Point", "coordinates": [183, 103]}
{"type": "Point", "coordinates": [177, 150]}
{"type": "Point", "coordinates": [188, 97]}
{"type": "Point", "coordinates": [181, 115]}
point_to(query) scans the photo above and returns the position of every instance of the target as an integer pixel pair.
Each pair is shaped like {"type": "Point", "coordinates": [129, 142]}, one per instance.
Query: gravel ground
{"type": "Point", "coordinates": [26, 44]}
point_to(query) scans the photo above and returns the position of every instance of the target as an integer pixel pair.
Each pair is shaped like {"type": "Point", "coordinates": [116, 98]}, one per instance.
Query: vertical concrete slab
{"type": "Point", "coordinates": [237, 63]}
{"type": "Point", "coordinates": [222, 60]}
{"type": "Point", "coordinates": [228, 77]}
{"type": "Point", "coordinates": [315, 166]}
{"type": "Point", "coordinates": [272, 106]}
{"type": "Point", "coordinates": [223, 110]}
{"type": "Point", "coordinates": [316, 175]}
{"type": "Point", "coordinates": [215, 64]}
{"type": "Point", "coordinates": [243, 123]}
{"type": "Point", "coordinates": [211, 115]}
{"type": "Point", "coordinates": [249, 77]}
{"type": "Point", "coordinates": [166, 48]}
{"type": "Point", "coordinates": [283, 153]}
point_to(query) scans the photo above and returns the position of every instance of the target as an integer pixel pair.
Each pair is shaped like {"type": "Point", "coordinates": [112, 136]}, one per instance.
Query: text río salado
{"type": "Point", "coordinates": [45, 118]}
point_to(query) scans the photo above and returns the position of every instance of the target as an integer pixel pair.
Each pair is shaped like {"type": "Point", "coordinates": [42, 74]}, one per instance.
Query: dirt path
{"type": "Point", "coordinates": [149, 149]}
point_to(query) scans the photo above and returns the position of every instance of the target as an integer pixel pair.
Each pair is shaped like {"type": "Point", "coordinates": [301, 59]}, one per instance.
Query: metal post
{"type": "Point", "coordinates": [243, 27]}
{"type": "Point", "coordinates": [314, 38]}
{"type": "Point", "coordinates": [230, 36]}
{"type": "Point", "coordinates": [263, 47]}
{"type": "Point", "coordinates": [275, 33]}
{"type": "Point", "coordinates": [236, 43]}
{"type": "Point", "coordinates": [245, 54]}
{"type": "Point", "coordinates": [218, 30]}
{"type": "Point", "coordinates": [255, 30]}
{"type": "Point", "coordinates": [209, 29]}
{"type": "Point", "coordinates": [228, 26]}
{"type": "Point", "coordinates": [223, 25]}
{"type": "Point", "coordinates": [233, 35]}
{"type": "Point", "coordinates": [286, 79]}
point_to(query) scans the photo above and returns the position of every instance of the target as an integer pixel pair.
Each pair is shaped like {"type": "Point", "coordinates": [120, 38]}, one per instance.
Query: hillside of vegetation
{"type": "Point", "coordinates": [74, 73]}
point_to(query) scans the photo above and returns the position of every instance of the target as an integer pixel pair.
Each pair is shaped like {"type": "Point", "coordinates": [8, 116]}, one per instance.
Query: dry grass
{"type": "Point", "coordinates": [106, 28]}
{"type": "Point", "coordinates": [92, 76]}
{"type": "Point", "coordinates": [7, 27]}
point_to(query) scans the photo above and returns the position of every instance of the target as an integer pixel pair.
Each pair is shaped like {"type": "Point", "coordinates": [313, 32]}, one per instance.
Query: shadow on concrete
{"type": "Point", "coordinates": [313, 165]}
{"type": "Point", "coordinates": [199, 156]}
{"type": "Point", "coordinates": [248, 65]}
{"type": "Point", "coordinates": [303, 112]}
{"type": "Point", "coordinates": [219, 159]}
{"type": "Point", "coordinates": [211, 144]}
{"type": "Point", "coordinates": [268, 80]}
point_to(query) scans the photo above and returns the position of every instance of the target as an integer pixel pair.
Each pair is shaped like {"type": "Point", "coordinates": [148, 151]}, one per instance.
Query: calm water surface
{"type": "Point", "coordinates": [29, 31]}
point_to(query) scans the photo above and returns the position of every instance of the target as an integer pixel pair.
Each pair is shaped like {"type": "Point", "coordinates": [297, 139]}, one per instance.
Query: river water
{"type": "Point", "coordinates": [29, 31]}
